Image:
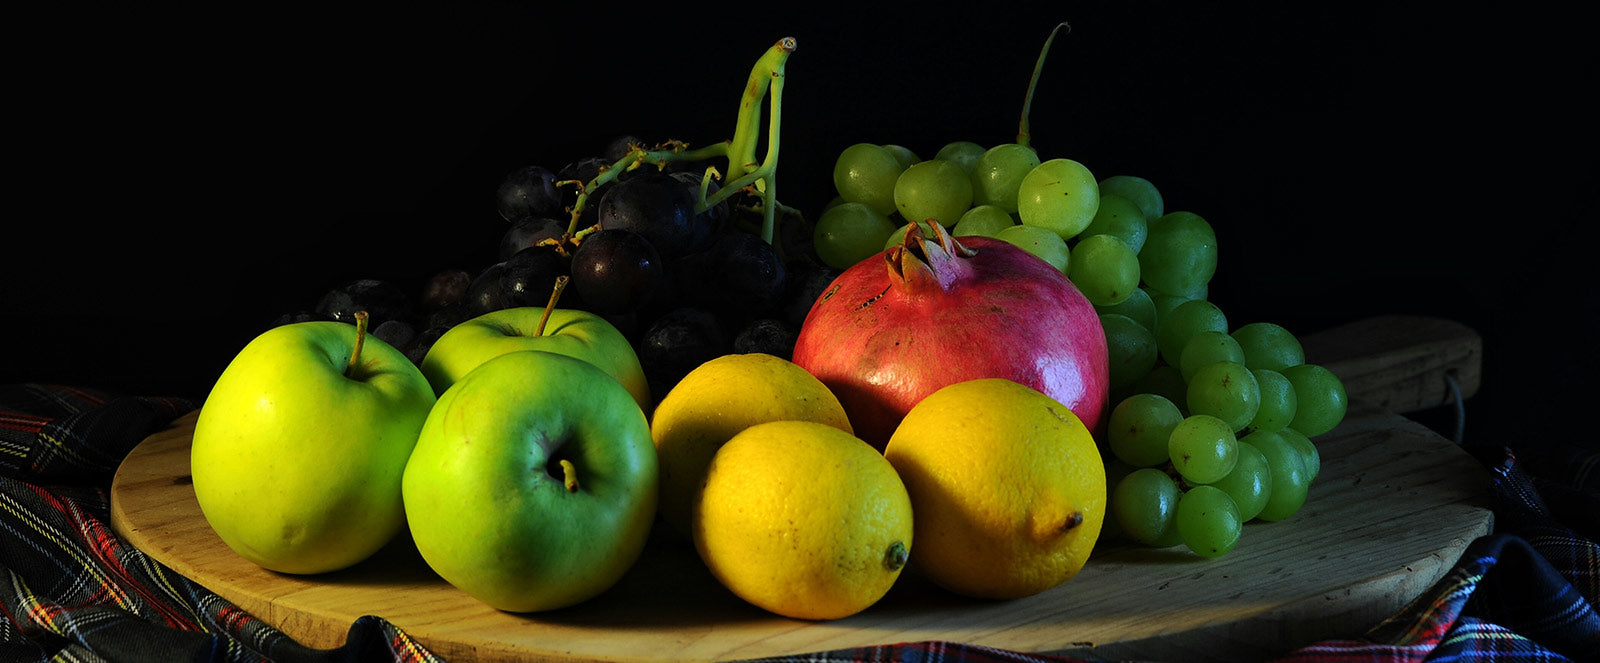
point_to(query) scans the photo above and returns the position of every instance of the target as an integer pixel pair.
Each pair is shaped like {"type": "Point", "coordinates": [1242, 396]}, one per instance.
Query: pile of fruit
{"type": "Point", "coordinates": [1208, 425]}
{"type": "Point", "coordinates": [969, 364]}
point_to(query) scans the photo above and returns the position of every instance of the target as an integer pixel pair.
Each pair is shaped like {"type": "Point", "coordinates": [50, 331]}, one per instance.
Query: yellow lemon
{"type": "Point", "coordinates": [1007, 484]}
{"type": "Point", "coordinates": [804, 520]}
{"type": "Point", "coordinates": [716, 401]}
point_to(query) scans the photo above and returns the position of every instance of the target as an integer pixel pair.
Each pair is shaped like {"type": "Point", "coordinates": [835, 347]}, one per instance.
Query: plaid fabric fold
{"type": "Point", "coordinates": [71, 590]}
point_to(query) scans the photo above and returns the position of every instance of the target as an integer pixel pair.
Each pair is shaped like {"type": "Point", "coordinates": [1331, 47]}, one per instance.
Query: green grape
{"type": "Point", "coordinates": [1225, 390]}
{"type": "Point", "coordinates": [1139, 427]}
{"type": "Point", "coordinates": [1182, 322]}
{"type": "Point", "coordinates": [1287, 470]}
{"type": "Point", "coordinates": [1166, 381]}
{"type": "Point", "coordinates": [866, 174]}
{"type": "Point", "coordinates": [1116, 470]}
{"type": "Point", "coordinates": [1270, 346]}
{"type": "Point", "coordinates": [1145, 505]}
{"type": "Point", "coordinates": [1121, 218]}
{"type": "Point", "coordinates": [1208, 521]}
{"type": "Point", "coordinates": [1059, 194]}
{"type": "Point", "coordinates": [1138, 306]}
{"type": "Point", "coordinates": [998, 173]}
{"type": "Point", "coordinates": [1179, 254]}
{"type": "Point", "coordinates": [1039, 242]}
{"type": "Point", "coordinates": [1130, 349]}
{"type": "Point", "coordinates": [897, 237]}
{"type": "Point", "coordinates": [1320, 397]}
{"type": "Point", "coordinates": [1203, 291]}
{"type": "Point", "coordinates": [849, 233]}
{"type": "Point", "coordinates": [933, 189]}
{"type": "Point", "coordinates": [1308, 452]}
{"type": "Point", "coordinates": [983, 220]}
{"type": "Point", "coordinates": [1202, 448]}
{"type": "Point", "coordinates": [1278, 401]}
{"type": "Point", "coordinates": [1249, 482]}
{"type": "Point", "coordinates": [1206, 348]}
{"type": "Point", "coordinates": [903, 154]}
{"type": "Point", "coordinates": [1138, 190]}
{"type": "Point", "coordinates": [1163, 304]}
{"type": "Point", "coordinates": [835, 202]}
{"type": "Point", "coordinates": [962, 153]}
{"type": "Point", "coordinates": [1105, 270]}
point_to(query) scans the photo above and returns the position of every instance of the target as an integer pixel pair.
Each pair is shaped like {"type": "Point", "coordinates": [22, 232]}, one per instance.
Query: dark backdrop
{"type": "Point", "coordinates": [185, 176]}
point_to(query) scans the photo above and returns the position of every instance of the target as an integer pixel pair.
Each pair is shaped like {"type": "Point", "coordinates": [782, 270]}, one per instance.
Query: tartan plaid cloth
{"type": "Point", "coordinates": [71, 590]}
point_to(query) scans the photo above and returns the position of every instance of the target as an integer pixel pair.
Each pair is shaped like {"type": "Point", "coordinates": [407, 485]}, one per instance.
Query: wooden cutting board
{"type": "Point", "coordinates": [1391, 512]}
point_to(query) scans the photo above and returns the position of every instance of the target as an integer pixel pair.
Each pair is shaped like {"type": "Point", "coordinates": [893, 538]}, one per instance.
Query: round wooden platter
{"type": "Point", "coordinates": [1390, 513]}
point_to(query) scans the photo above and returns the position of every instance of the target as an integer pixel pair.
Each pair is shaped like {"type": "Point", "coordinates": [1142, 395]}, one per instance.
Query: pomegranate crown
{"type": "Point", "coordinates": [921, 262]}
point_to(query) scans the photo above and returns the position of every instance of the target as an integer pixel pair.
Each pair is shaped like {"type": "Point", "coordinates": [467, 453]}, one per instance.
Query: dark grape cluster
{"type": "Point", "coordinates": [683, 286]}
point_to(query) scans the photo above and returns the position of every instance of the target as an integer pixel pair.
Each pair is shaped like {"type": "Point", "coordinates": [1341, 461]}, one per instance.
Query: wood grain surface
{"type": "Point", "coordinates": [1394, 507]}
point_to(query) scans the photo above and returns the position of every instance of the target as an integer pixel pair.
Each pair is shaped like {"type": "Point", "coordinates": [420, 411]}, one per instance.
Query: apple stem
{"type": "Point", "coordinates": [555, 295]}
{"type": "Point", "coordinates": [569, 475]}
{"type": "Point", "coordinates": [361, 336]}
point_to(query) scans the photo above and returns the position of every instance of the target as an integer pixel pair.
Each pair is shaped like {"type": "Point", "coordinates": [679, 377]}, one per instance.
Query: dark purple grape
{"type": "Point", "coordinates": [616, 271]}
{"type": "Point", "coordinates": [397, 333]}
{"type": "Point", "coordinates": [740, 273]}
{"type": "Point", "coordinates": [807, 281]}
{"type": "Point", "coordinates": [657, 207]}
{"type": "Point", "coordinates": [530, 276]}
{"type": "Point", "coordinates": [620, 146]}
{"type": "Point", "coordinates": [297, 316]}
{"type": "Point", "coordinates": [583, 170]}
{"type": "Point", "coordinates": [768, 335]}
{"type": "Point", "coordinates": [795, 234]}
{"type": "Point", "coordinates": [528, 191]}
{"type": "Point", "coordinates": [382, 300]}
{"type": "Point", "coordinates": [449, 316]}
{"type": "Point", "coordinates": [529, 231]}
{"type": "Point", "coordinates": [676, 343]}
{"type": "Point", "coordinates": [419, 346]}
{"type": "Point", "coordinates": [484, 295]}
{"type": "Point", "coordinates": [707, 225]}
{"type": "Point", "coordinates": [444, 288]}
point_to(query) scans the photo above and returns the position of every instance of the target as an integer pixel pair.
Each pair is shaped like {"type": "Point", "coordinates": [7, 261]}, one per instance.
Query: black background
{"type": "Point", "coordinates": [183, 176]}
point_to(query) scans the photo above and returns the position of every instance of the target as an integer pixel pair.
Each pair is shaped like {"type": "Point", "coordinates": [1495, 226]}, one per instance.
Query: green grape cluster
{"type": "Point", "coordinates": [1055, 209]}
{"type": "Point", "coordinates": [1213, 423]}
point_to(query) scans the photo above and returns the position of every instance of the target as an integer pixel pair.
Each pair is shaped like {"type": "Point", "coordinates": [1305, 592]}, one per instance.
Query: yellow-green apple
{"type": "Point", "coordinates": [533, 484]}
{"type": "Point", "coordinates": [570, 332]}
{"type": "Point", "coordinates": [301, 443]}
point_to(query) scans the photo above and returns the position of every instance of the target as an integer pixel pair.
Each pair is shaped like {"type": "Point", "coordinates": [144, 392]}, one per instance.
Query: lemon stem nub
{"type": "Point", "coordinates": [361, 335]}
{"type": "Point", "coordinates": [569, 475]}
{"type": "Point", "coordinates": [1073, 520]}
{"type": "Point", "coordinates": [896, 557]}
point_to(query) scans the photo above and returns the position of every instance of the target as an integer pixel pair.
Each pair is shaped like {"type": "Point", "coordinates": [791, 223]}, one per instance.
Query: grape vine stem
{"type": "Point", "coordinates": [1024, 133]}
{"type": "Point", "coordinates": [743, 170]}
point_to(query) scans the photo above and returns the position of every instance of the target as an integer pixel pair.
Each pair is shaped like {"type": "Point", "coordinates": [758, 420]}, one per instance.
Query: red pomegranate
{"type": "Point", "coordinates": [936, 311]}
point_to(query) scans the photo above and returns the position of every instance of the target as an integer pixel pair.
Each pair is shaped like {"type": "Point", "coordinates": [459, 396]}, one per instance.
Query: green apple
{"type": "Point", "coordinates": [298, 451]}
{"type": "Point", "coordinates": [533, 484]}
{"type": "Point", "coordinates": [570, 332]}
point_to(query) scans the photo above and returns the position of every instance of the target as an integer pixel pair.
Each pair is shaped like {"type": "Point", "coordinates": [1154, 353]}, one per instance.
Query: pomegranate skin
{"type": "Point", "coordinates": [932, 312]}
